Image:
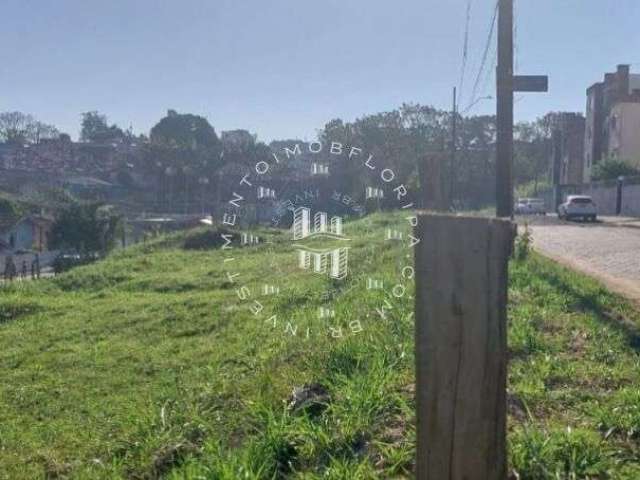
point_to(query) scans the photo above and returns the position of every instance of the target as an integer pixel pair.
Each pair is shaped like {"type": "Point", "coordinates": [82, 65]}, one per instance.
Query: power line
{"type": "Point", "coordinates": [471, 105]}
{"type": "Point", "coordinates": [465, 49]}
{"type": "Point", "coordinates": [485, 54]}
{"type": "Point", "coordinates": [485, 92]}
{"type": "Point", "coordinates": [516, 51]}
{"type": "Point", "coordinates": [490, 72]}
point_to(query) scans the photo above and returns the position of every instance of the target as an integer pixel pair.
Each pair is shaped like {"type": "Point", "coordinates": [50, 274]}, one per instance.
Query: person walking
{"type": "Point", "coordinates": [23, 272]}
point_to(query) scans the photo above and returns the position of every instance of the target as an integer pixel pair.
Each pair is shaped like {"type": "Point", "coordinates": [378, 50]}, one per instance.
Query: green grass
{"type": "Point", "coordinates": [147, 366]}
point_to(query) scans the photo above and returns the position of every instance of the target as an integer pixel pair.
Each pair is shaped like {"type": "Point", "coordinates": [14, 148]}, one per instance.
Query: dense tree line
{"type": "Point", "coordinates": [21, 128]}
{"type": "Point", "coordinates": [184, 154]}
{"type": "Point", "coordinates": [403, 137]}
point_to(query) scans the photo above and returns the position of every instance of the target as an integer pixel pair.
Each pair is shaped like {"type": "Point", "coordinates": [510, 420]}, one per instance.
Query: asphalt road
{"type": "Point", "coordinates": [608, 250]}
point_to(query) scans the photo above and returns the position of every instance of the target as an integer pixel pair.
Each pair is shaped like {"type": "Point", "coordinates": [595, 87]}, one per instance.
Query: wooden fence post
{"type": "Point", "coordinates": [432, 182]}
{"type": "Point", "coordinates": [461, 346]}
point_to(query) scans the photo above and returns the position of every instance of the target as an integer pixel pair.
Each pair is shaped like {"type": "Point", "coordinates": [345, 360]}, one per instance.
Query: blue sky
{"type": "Point", "coordinates": [282, 68]}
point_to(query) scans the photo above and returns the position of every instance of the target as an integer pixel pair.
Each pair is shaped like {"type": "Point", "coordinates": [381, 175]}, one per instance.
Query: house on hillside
{"type": "Point", "coordinates": [91, 187]}
{"type": "Point", "coordinates": [28, 233]}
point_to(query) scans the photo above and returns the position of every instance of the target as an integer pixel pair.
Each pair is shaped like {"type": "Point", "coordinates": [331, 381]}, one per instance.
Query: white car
{"type": "Point", "coordinates": [530, 206]}
{"type": "Point", "coordinates": [578, 206]}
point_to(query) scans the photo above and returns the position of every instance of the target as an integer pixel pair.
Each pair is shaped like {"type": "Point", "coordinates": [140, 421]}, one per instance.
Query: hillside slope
{"type": "Point", "coordinates": [147, 365]}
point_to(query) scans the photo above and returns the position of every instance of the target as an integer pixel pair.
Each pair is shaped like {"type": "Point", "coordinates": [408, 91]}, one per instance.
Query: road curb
{"type": "Point", "coordinates": [624, 288]}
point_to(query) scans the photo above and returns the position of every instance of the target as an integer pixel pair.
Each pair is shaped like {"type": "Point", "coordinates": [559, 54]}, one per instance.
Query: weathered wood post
{"type": "Point", "coordinates": [432, 182]}
{"type": "Point", "coordinates": [461, 346]}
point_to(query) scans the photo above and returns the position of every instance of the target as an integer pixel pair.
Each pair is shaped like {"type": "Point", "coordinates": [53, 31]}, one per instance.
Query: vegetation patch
{"type": "Point", "coordinates": [14, 307]}
{"type": "Point", "coordinates": [203, 239]}
{"type": "Point", "coordinates": [143, 366]}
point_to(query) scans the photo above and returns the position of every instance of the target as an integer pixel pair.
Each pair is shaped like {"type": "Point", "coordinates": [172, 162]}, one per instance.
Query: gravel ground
{"type": "Point", "coordinates": [608, 250]}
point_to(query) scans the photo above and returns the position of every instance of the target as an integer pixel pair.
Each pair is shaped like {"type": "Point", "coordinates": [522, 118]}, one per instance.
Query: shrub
{"type": "Point", "coordinates": [86, 228]}
{"type": "Point", "coordinates": [523, 244]}
{"type": "Point", "coordinates": [611, 169]}
{"type": "Point", "coordinates": [64, 263]}
{"type": "Point", "coordinates": [204, 239]}
{"type": "Point", "coordinates": [9, 210]}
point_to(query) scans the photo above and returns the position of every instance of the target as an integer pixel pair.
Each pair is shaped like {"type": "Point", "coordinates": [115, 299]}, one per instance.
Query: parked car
{"type": "Point", "coordinates": [530, 206]}
{"type": "Point", "coordinates": [578, 206]}
{"type": "Point", "coordinates": [65, 261]}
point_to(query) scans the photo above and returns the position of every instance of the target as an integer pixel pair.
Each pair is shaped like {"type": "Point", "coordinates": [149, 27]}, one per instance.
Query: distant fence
{"type": "Point", "coordinates": [46, 259]}
{"type": "Point", "coordinates": [604, 194]}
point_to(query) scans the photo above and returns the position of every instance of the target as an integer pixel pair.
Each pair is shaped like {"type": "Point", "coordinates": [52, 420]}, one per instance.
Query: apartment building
{"type": "Point", "coordinates": [612, 120]}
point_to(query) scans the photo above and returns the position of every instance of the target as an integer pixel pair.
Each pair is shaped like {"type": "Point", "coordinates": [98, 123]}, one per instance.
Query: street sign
{"type": "Point", "coordinates": [530, 83]}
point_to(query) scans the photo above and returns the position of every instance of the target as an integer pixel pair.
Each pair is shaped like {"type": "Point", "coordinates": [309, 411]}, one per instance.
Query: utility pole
{"type": "Point", "coordinates": [504, 90]}
{"type": "Point", "coordinates": [454, 126]}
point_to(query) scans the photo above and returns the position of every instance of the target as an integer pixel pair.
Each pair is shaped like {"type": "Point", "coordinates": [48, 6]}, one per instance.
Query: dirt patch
{"type": "Point", "coordinates": [169, 456]}
{"type": "Point", "coordinates": [516, 408]}
{"type": "Point", "coordinates": [311, 398]}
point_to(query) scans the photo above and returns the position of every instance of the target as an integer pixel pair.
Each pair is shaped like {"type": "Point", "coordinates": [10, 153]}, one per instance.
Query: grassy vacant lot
{"type": "Point", "coordinates": [145, 366]}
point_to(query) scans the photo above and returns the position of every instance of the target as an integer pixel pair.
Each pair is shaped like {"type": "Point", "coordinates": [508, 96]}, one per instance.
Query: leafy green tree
{"type": "Point", "coordinates": [9, 211]}
{"type": "Point", "coordinates": [183, 148]}
{"type": "Point", "coordinates": [533, 150]}
{"type": "Point", "coordinates": [612, 168]}
{"type": "Point", "coordinates": [184, 131]}
{"type": "Point", "coordinates": [86, 228]}
{"type": "Point", "coordinates": [95, 128]}
{"type": "Point", "coordinates": [397, 139]}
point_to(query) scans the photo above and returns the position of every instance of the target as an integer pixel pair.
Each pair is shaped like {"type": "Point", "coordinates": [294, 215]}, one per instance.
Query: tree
{"type": "Point", "coordinates": [95, 128]}
{"type": "Point", "coordinates": [238, 140]}
{"type": "Point", "coordinates": [21, 128]}
{"type": "Point", "coordinates": [9, 210]}
{"type": "Point", "coordinates": [183, 148]}
{"type": "Point", "coordinates": [184, 131]}
{"type": "Point", "coordinates": [612, 168]}
{"type": "Point", "coordinates": [86, 228]}
{"type": "Point", "coordinates": [533, 150]}
{"type": "Point", "coordinates": [15, 127]}
{"type": "Point", "coordinates": [42, 131]}
{"type": "Point", "coordinates": [399, 137]}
